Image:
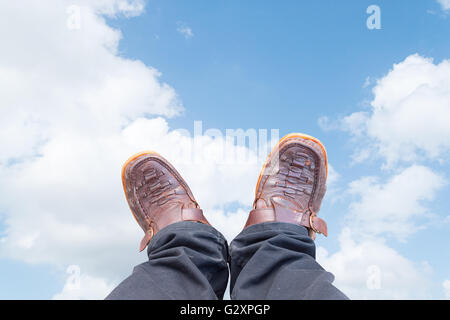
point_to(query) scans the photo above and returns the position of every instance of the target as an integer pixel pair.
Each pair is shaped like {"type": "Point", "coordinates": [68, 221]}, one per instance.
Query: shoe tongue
{"type": "Point", "coordinates": [173, 206]}
{"type": "Point", "coordinates": [278, 202]}
{"type": "Point", "coordinates": [191, 205]}
{"type": "Point", "coordinates": [260, 204]}
{"type": "Point", "coordinates": [288, 204]}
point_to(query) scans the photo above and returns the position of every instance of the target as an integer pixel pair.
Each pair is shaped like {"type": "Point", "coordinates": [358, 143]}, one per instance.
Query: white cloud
{"type": "Point", "coordinates": [410, 114]}
{"type": "Point", "coordinates": [72, 113]}
{"type": "Point", "coordinates": [84, 287]}
{"type": "Point", "coordinates": [365, 266]}
{"type": "Point", "coordinates": [446, 286]}
{"type": "Point", "coordinates": [333, 176]}
{"type": "Point", "coordinates": [369, 269]}
{"type": "Point", "coordinates": [408, 122]}
{"type": "Point", "coordinates": [185, 31]}
{"type": "Point", "coordinates": [445, 4]}
{"type": "Point", "coordinates": [396, 207]}
{"type": "Point", "coordinates": [59, 79]}
{"type": "Point", "coordinates": [231, 223]}
{"type": "Point", "coordinates": [75, 206]}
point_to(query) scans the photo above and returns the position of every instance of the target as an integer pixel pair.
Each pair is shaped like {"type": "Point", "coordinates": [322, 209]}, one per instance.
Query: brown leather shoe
{"type": "Point", "coordinates": [157, 194]}
{"type": "Point", "coordinates": [292, 184]}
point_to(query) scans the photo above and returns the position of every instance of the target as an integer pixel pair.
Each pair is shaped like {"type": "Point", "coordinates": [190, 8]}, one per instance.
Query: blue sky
{"type": "Point", "coordinates": [263, 65]}
{"type": "Point", "coordinates": [254, 57]}
{"type": "Point", "coordinates": [271, 65]}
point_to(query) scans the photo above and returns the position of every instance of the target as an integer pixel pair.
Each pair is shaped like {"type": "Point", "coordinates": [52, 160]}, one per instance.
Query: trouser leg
{"type": "Point", "coordinates": [187, 260]}
{"type": "Point", "coordinates": [277, 261]}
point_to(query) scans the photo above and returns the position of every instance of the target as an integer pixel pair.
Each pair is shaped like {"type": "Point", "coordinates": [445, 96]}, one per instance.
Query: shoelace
{"type": "Point", "coordinates": [159, 192]}
{"type": "Point", "coordinates": [297, 171]}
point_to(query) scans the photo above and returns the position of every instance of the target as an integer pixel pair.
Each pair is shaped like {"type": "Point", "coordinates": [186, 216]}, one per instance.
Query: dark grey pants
{"type": "Point", "coordinates": [189, 260]}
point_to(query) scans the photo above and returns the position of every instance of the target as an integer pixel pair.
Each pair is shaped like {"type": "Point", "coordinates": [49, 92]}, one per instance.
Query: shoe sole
{"type": "Point", "coordinates": [283, 140]}
{"type": "Point", "coordinates": [158, 157]}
